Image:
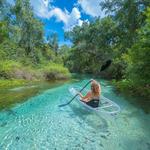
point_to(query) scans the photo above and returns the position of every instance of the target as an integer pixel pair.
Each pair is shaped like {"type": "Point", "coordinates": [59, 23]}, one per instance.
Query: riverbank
{"type": "Point", "coordinates": [47, 71]}
{"type": "Point", "coordinates": [19, 82]}
{"type": "Point", "coordinates": [128, 87]}
{"type": "Point", "coordinates": [18, 91]}
{"type": "Point", "coordinates": [136, 95]}
{"type": "Point", "coordinates": [6, 84]}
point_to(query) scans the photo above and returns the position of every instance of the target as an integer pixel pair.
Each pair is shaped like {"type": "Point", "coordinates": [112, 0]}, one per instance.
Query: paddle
{"type": "Point", "coordinates": [104, 66]}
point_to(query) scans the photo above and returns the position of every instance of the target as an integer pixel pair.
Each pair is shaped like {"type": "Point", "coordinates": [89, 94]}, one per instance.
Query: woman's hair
{"type": "Point", "coordinates": [95, 88]}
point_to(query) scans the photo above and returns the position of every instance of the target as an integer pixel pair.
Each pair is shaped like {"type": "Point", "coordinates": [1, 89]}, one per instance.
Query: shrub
{"type": "Point", "coordinates": [129, 86]}
{"type": "Point", "coordinates": [55, 71]}
{"type": "Point", "coordinates": [11, 69]}
{"type": "Point", "coordinates": [7, 68]}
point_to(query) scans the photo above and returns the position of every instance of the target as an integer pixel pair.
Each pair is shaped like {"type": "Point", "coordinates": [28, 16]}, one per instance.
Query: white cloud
{"type": "Point", "coordinates": [44, 9]}
{"type": "Point", "coordinates": [59, 14]}
{"type": "Point", "coordinates": [74, 18]}
{"type": "Point", "coordinates": [41, 7]}
{"type": "Point", "coordinates": [91, 7]}
{"type": "Point", "coordinates": [69, 19]}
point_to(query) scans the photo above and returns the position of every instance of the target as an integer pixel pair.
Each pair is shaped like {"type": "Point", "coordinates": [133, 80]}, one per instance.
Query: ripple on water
{"type": "Point", "coordinates": [40, 124]}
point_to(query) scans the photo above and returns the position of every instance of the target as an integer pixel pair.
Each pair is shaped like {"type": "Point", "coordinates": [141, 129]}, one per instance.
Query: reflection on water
{"type": "Point", "coordinates": [8, 97]}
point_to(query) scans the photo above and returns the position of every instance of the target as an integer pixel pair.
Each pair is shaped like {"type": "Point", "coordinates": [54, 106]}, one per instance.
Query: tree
{"type": "Point", "coordinates": [93, 44]}
{"type": "Point", "coordinates": [4, 34]}
{"type": "Point", "coordinates": [64, 52]}
{"type": "Point", "coordinates": [53, 42]}
{"type": "Point", "coordinates": [31, 29]}
{"type": "Point", "coordinates": [4, 10]}
{"type": "Point", "coordinates": [139, 57]}
{"type": "Point", "coordinates": [129, 17]}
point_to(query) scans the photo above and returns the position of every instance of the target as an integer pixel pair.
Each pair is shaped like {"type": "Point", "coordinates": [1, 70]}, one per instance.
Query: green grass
{"type": "Point", "coordinates": [4, 84]}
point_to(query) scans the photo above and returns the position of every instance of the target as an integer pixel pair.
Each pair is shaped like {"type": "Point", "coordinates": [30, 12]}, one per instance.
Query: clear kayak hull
{"type": "Point", "coordinates": [106, 106]}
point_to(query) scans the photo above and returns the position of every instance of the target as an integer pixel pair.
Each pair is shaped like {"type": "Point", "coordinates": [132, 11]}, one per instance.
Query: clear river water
{"type": "Point", "coordinates": [39, 124]}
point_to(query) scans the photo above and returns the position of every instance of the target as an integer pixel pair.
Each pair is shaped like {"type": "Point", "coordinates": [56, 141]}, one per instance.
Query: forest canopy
{"type": "Point", "coordinates": [123, 36]}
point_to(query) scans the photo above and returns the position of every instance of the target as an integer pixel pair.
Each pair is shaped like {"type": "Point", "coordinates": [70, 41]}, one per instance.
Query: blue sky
{"type": "Point", "coordinates": [62, 15]}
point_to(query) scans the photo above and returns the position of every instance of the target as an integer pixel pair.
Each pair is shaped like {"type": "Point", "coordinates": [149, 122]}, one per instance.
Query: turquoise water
{"type": "Point", "coordinates": [39, 124]}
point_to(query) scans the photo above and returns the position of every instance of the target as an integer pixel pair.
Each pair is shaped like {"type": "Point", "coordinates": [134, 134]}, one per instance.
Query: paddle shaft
{"type": "Point", "coordinates": [76, 94]}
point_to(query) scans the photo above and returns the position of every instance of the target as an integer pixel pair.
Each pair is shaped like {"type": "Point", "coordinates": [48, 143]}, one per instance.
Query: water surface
{"type": "Point", "coordinates": [39, 123]}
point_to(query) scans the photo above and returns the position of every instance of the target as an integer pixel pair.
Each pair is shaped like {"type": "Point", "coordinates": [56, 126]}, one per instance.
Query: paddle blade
{"type": "Point", "coordinates": [106, 65]}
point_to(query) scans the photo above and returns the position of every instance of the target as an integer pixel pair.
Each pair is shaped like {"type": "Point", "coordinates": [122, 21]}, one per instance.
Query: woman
{"type": "Point", "coordinates": [92, 98]}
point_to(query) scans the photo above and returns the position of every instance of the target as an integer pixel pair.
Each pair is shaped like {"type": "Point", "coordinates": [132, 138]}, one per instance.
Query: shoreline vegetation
{"type": "Point", "coordinates": [49, 71]}
{"type": "Point", "coordinates": [15, 74]}
{"type": "Point", "coordinates": [19, 82]}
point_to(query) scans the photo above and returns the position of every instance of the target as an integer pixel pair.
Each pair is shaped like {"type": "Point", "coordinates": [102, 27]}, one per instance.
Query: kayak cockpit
{"type": "Point", "coordinates": [105, 105]}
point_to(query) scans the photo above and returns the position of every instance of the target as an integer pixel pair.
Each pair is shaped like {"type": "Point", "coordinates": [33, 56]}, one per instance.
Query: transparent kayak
{"type": "Point", "coordinates": [106, 106]}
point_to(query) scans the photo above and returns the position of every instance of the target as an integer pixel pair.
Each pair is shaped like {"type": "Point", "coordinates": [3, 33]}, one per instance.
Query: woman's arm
{"type": "Point", "coordinates": [86, 97]}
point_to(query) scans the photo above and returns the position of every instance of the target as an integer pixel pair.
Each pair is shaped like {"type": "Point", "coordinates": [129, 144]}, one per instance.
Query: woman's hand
{"type": "Point", "coordinates": [78, 93]}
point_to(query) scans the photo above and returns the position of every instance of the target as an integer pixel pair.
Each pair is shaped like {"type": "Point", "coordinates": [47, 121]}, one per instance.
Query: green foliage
{"type": "Point", "coordinates": [93, 44]}
{"type": "Point", "coordinates": [2, 55]}
{"type": "Point", "coordinates": [139, 56]}
{"type": "Point", "coordinates": [123, 85]}
{"type": "Point", "coordinates": [23, 52]}
{"type": "Point", "coordinates": [14, 70]}
{"type": "Point", "coordinates": [55, 71]}
{"type": "Point", "coordinates": [64, 52]}
{"type": "Point", "coordinates": [3, 31]}
{"type": "Point", "coordinates": [30, 29]}
{"type": "Point", "coordinates": [7, 67]}
{"type": "Point", "coordinates": [53, 42]}
{"type": "Point", "coordinates": [128, 86]}
{"type": "Point", "coordinates": [124, 37]}
{"type": "Point", "coordinates": [48, 71]}
{"type": "Point", "coordinates": [129, 17]}
{"type": "Point", "coordinates": [11, 51]}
